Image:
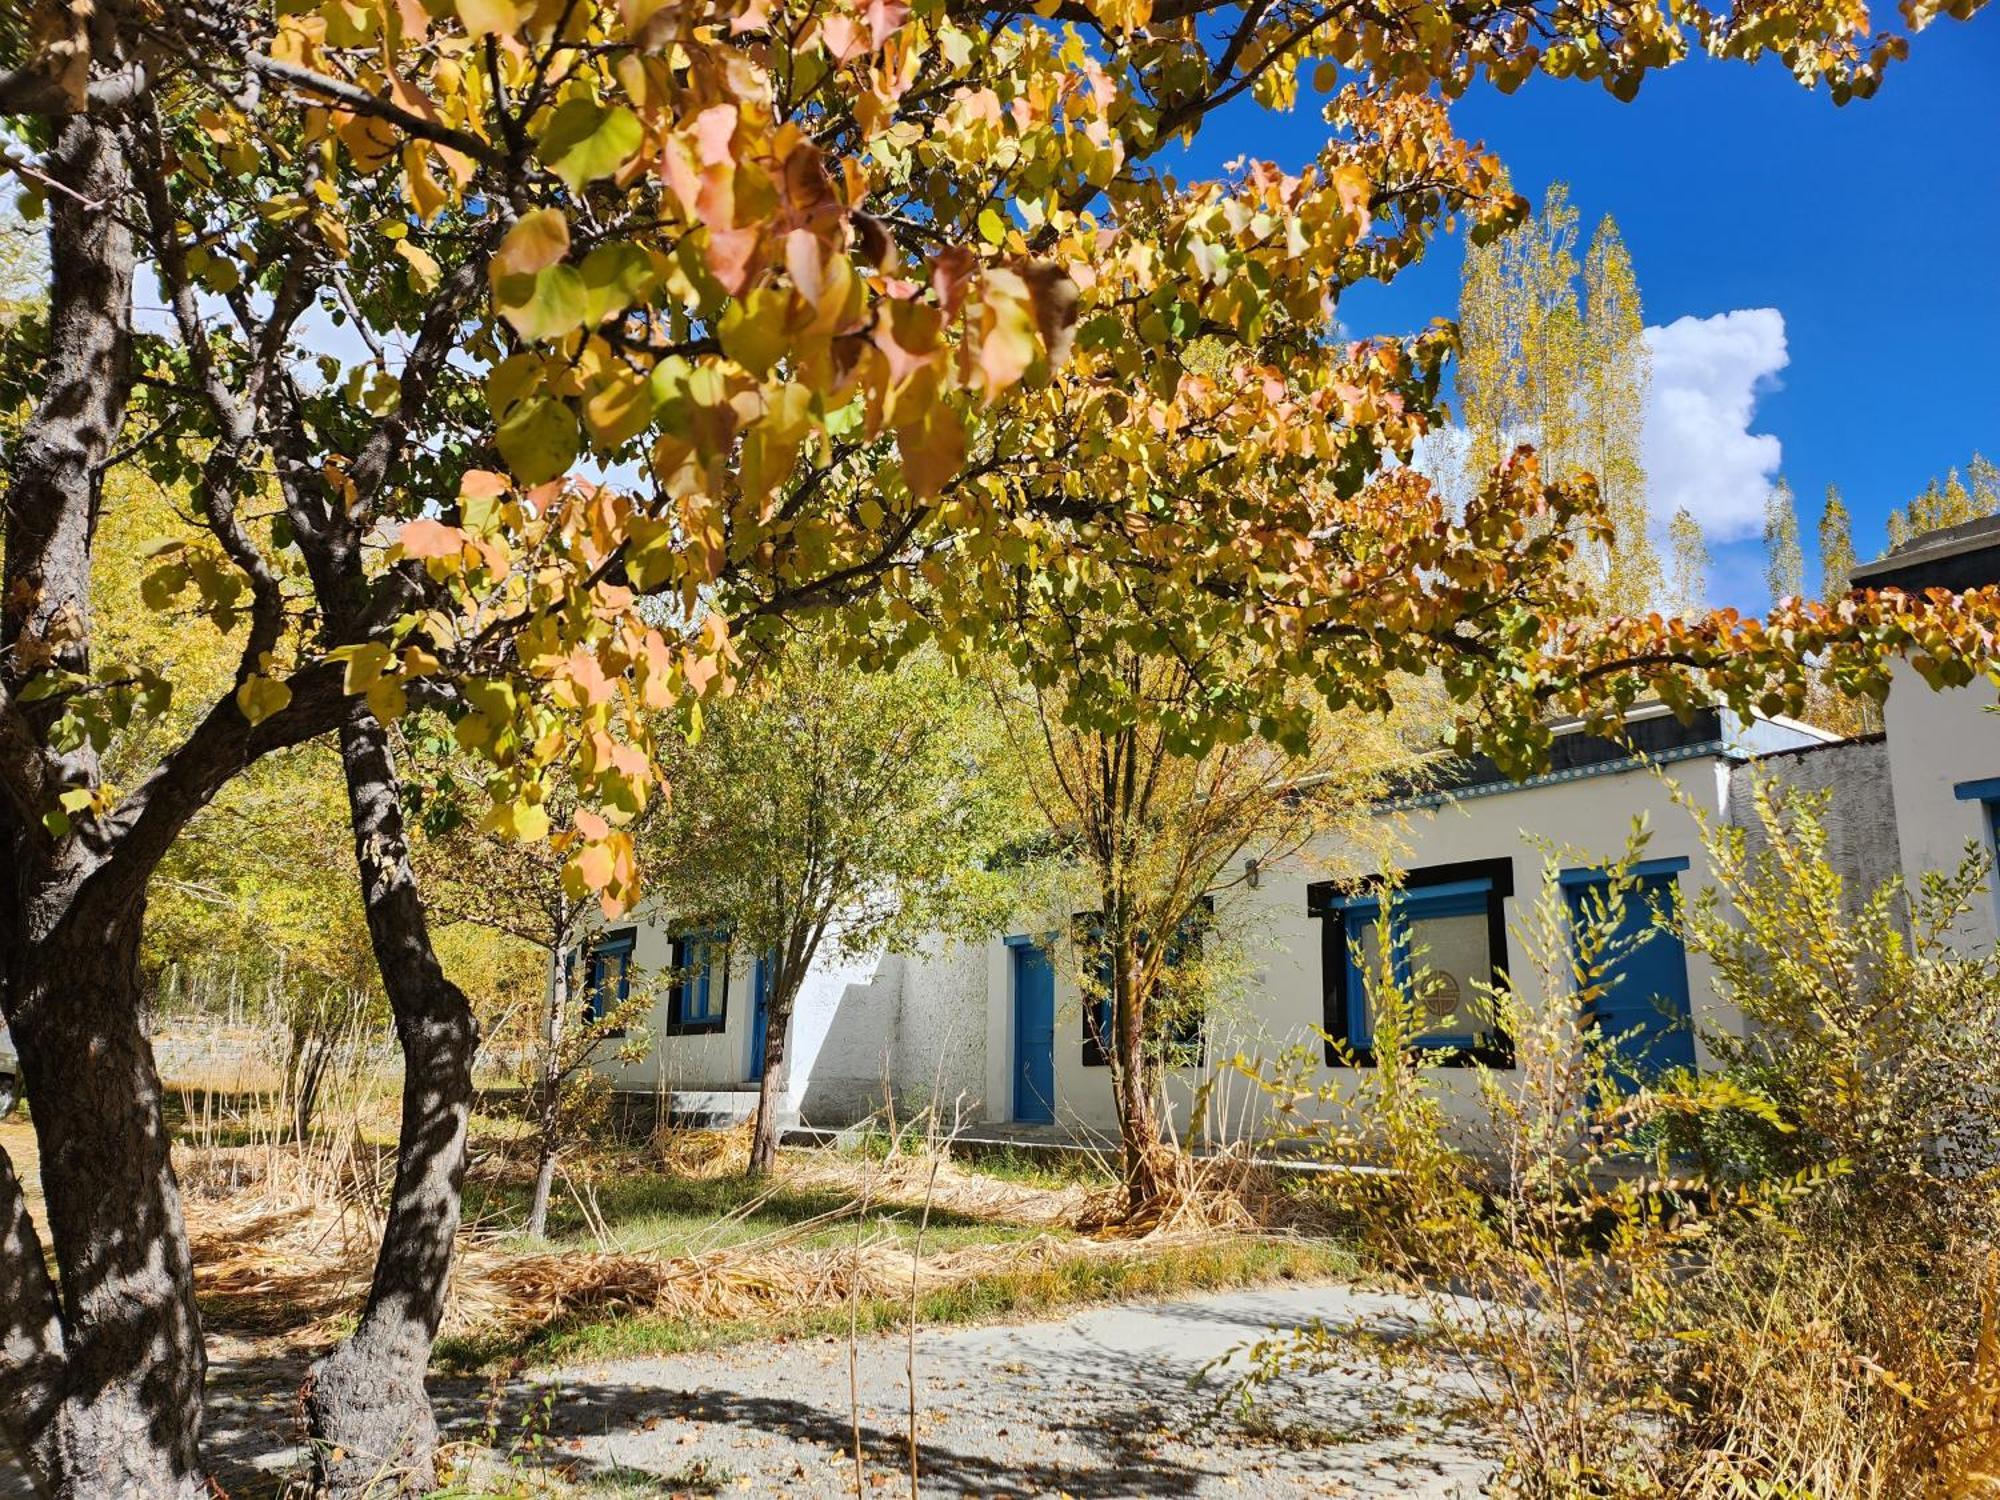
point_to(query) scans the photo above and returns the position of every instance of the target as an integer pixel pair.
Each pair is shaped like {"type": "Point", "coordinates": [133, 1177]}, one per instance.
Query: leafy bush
{"type": "Point", "coordinates": [1772, 1279]}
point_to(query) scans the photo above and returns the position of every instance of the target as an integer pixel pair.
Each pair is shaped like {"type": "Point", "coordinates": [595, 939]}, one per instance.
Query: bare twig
{"type": "Point", "coordinates": [910, 1354]}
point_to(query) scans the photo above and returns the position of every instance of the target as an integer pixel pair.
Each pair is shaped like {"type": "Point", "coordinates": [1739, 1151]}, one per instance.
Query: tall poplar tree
{"type": "Point", "coordinates": [1836, 546]}
{"type": "Point", "coordinates": [1687, 584]}
{"type": "Point", "coordinates": [1784, 559]}
{"type": "Point", "coordinates": [1826, 705]}
{"type": "Point", "coordinates": [1950, 502]}
{"type": "Point", "coordinates": [1566, 369]}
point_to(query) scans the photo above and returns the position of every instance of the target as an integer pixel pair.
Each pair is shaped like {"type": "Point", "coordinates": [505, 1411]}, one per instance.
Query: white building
{"type": "Point", "coordinates": [998, 1030]}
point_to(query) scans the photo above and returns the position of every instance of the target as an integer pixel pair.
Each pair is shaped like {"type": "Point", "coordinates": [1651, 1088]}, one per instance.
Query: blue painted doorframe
{"type": "Point", "coordinates": [760, 1015]}
{"type": "Point", "coordinates": [1034, 1033]}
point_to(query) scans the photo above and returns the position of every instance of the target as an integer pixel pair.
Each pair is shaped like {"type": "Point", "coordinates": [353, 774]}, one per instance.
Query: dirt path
{"type": "Point", "coordinates": [1108, 1404]}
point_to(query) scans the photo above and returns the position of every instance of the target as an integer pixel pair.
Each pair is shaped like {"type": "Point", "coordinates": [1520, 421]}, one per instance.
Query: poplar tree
{"type": "Point", "coordinates": [1784, 560]}
{"type": "Point", "coordinates": [1687, 586]}
{"type": "Point", "coordinates": [1836, 546]}
{"type": "Point", "coordinates": [1611, 420]}
{"type": "Point", "coordinates": [1950, 502]}
{"type": "Point", "coordinates": [1567, 370]}
{"type": "Point", "coordinates": [1826, 704]}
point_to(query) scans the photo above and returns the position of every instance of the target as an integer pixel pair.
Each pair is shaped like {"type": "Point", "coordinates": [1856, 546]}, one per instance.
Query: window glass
{"type": "Point", "coordinates": [1442, 960]}
{"type": "Point", "coordinates": [701, 979]}
{"type": "Point", "coordinates": [607, 976]}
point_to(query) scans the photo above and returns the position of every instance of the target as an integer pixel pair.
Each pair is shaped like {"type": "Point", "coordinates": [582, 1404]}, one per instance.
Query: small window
{"type": "Point", "coordinates": [1986, 793]}
{"type": "Point", "coordinates": [1447, 938]}
{"type": "Point", "coordinates": [607, 974]}
{"type": "Point", "coordinates": [698, 997]}
{"type": "Point", "coordinates": [1185, 1045]}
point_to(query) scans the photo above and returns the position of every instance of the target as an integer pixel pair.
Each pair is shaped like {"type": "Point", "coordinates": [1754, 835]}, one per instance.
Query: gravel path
{"type": "Point", "coordinates": [1104, 1404]}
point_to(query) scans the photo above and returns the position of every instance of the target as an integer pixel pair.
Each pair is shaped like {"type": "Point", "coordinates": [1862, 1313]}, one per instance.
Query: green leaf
{"type": "Point", "coordinates": [614, 277]}
{"type": "Point", "coordinates": [539, 440]}
{"type": "Point", "coordinates": [586, 141]}
{"type": "Point", "coordinates": [556, 303]}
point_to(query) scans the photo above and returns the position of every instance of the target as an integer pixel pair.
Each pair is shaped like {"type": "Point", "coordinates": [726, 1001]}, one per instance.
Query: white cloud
{"type": "Point", "coordinates": [1700, 452]}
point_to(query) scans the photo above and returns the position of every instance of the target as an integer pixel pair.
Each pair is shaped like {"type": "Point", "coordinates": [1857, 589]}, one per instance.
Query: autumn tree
{"type": "Point", "coordinates": [1568, 370]}
{"type": "Point", "coordinates": [523, 889]}
{"type": "Point", "coordinates": [814, 286]}
{"type": "Point", "coordinates": [1951, 501]}
{"type": "Point", "coordinates": [831, 811]}
{"type": "Point", "coordinates": [1687, 585]}
{"type": "Point", "coordinates": [1784, 558]}
{"type": "Point", "coordinates": [1836, 546]}
{"type": "Point", "coordinates": [1845, 713]}
{"type": "Point", "coordinates": [1154, 837]}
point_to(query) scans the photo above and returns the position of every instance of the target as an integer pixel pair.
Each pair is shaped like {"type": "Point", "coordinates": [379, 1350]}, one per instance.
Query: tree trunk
{"type": "Point", "coordinates": [548, 1098]}
{"type": "Point", "coordinates": [764, 1132]}
{"type": "Point", "coordinates": [31, 1341]}
{"type": "Point", "coordinates": [370, 1418]}
{"type": "Point", "coordinates": [102, 1375]}
{"type": "Point", "coordinates": [126, 1414]}
{"type": "Point", "coordinates": [1148, 1160]}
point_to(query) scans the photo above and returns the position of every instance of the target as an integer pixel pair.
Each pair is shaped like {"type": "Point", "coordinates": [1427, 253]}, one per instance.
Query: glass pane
{"type": "Point", "coordinates": [1449, 957]}
{"type": "Point", "coordinates": [1364, 933]}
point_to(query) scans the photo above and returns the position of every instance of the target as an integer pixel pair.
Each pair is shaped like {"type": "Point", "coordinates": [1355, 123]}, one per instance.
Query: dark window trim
{"type": "Point", "coordinates": [718, 1021]}
{"type": "Point", "coordinates": [619, 940]}
{"type": "Point", "coordinates": [1323, 899]}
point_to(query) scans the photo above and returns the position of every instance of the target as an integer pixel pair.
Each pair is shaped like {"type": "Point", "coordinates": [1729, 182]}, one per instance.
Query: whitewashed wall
{"type": "Point", "coordinates": [1586, 820]}
{"type": "Point", "coordinates": [1938, 740]}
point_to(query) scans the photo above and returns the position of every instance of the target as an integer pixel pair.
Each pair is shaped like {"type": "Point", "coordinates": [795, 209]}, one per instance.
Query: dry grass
{"type": "Point", "coordinates": [284, 1243]}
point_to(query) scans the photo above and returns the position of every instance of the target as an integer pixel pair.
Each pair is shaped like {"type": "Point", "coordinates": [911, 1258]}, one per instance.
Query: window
{"type": "Point", "coordinates": [1642, 1002]}
{"type": "Point", "coordinates": [1986, 793]}
{"type": "Point", "coordinates": [1185, 1044]}
{"type": "Point", "coordinates": [607, 974]}
{"type": "Point", "coordinates": [1447, 939]}
{"type": "Point", "coordinates": [698, 998]}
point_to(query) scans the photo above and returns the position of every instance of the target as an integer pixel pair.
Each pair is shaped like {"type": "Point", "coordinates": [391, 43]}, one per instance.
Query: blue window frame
{"type": "Point", "coordinates": [1447, 935]}
{"type": "Point", "coordinates": [1643, 1001]}
{"type": "Point", "coordinates": [1186, 1045]}
{"type": "Point", "coordinates": [607, 974]}
{"type": "Point", "coordinates": [1986, 792]}
{"type": "Point", "coordinates": [698, 996]}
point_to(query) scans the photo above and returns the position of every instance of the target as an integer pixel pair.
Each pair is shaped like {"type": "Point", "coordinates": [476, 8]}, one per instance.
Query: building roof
{"type": "Point", "coordinates": [1653, 735]}
{"type": "Point", "coordinates": [1955, 557]}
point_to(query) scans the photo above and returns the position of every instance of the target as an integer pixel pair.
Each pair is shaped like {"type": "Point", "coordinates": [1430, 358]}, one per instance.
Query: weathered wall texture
{"type": "Point", "coordinates": [1860, 817]}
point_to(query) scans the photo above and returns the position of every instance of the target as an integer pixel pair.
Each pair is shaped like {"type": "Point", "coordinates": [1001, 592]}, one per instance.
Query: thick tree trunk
{"type": "Point", "coordinates": [548, 1099]}
{"type": "Point", "coordinates": [31, 1341]}
{"type": "Point", "coordinates": [126, 1418]}
{"type": "Point", "coordinates": [370, 1418]}
{"type": "Point", "coordinates": [102, 1375]}
{"type": "Point", "coordinates": [1149, 1161]}
{"type": "Point", "coordinates": [764, 1132]}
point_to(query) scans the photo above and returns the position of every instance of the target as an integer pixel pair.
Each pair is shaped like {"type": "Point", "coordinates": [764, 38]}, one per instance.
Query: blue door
{"type": "Point", "coordinates": [760, 1015]}
{"type": "Point", "coordinates": [1034, 1035]}
{"type": "Point", "coordinates": [1644, 1007]}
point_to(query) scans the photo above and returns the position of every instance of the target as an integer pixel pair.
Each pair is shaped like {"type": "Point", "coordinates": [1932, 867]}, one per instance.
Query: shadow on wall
{"type": "Point", "coordinates": [844, 1042]}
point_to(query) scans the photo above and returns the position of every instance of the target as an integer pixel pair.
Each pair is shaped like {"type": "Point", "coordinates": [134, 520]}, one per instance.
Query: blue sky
{"type": "Point", "coordinates": [1872, 231]}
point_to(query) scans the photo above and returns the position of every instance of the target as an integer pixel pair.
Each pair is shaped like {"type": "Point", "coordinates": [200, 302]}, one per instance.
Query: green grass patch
{"type": "Point", "coordinates": [1171, 1270]}
{"type": "Point", "coordinates": [653, 1213]}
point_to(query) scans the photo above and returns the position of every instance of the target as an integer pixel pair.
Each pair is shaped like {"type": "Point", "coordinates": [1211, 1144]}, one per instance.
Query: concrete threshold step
{"type": "Point", "coordinates": [718, 1109]}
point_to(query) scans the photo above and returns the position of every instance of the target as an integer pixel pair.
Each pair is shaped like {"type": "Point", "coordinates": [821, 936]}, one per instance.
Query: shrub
{"type": "Point", "coordinates": [1771, 1279]}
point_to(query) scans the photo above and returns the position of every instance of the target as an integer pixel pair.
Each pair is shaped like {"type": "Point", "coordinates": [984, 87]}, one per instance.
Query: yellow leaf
{"type": "Point", "coordinates": [260, 697]}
